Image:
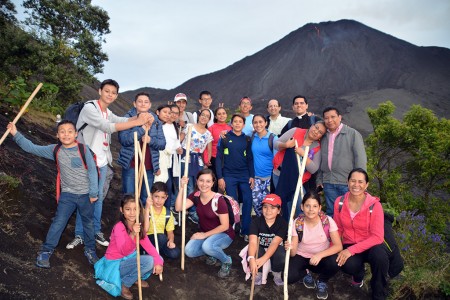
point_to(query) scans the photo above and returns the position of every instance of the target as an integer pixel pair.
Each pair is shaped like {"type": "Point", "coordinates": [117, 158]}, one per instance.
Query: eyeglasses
{"type": "Point", "coordinates": [318, 129]}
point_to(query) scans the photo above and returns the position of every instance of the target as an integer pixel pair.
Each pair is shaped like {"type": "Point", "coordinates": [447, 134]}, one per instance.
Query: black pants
{"type": "Point", "coordinates": [326, 268]}
{"type": "Point", "coordinates": [277, 259]}
{"type": "Point", "coordinates": [378, 259]}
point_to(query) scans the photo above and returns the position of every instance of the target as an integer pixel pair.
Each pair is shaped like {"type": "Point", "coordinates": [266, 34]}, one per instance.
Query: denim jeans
{"type": "Point", "coordinates": [67, 204]}
{"type": "Point", "coordinates": [128, 183]}
{"type": "Point", "coordinates": [98, 206]}
{"type": "Point", "coordinates": [232, 185]}
{"type": "Point", "coordinates": [128, 269]}
{"type": "Point", "coordinates": [212, 246]}
{"type": "Point", "coordinates": [298, 208]}
{"type": "Point", "coordinates": [332, 191]}
{"type": "Point", "coordinates": [172, 190]}
{"type": "Point", "coordinates": [190, 188]}
{"type": "Point", "coordinates": [171, 253]}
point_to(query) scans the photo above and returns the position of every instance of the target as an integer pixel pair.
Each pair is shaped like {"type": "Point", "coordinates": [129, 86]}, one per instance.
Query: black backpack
{"type": "Point", "coordinates": [73, 112]}
{"type": "Point", "coordinates": [270, 141]}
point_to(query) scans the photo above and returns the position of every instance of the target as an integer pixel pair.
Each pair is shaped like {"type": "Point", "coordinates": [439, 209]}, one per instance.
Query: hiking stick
{"type": "Point", "coordinates": [22, 110]}
{"type": "Point", "coordinates": [142, 166]}
{"type": "Point", "coordinates": [147, 188]}
{"type": "Point", "coordinates": [136, 197]}
{"type": "Point", "coordinates": [301, 171]}
{"type": "Point", "coordinates": [252, 289]}
{"type": "Point", "coordinates": [186, 172]}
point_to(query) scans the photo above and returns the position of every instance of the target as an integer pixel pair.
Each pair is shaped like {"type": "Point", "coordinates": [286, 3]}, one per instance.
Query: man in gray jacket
{"type": "Point", "coordinates": [342, 150]}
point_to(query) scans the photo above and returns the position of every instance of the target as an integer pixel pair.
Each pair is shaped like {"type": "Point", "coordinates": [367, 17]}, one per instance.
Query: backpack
{"type": "Point", "coordinates": [73, 112]}
{"type": "Point", "coordinates": [270, 141]}
{"type": "Point", "coordinates": [300, 223]}
{"type": "Point", "coordinates": [232, 205]}
{"type": "Point", "coordinates": [82, 153]}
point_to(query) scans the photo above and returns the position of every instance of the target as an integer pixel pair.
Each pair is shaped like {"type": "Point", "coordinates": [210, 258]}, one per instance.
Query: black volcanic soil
{"type": "Point", "coordinates": [25, 216]}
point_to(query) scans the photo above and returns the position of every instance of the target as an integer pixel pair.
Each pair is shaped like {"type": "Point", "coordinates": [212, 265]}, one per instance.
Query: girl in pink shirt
{"type": "Point", "coordinates": [311, 248]}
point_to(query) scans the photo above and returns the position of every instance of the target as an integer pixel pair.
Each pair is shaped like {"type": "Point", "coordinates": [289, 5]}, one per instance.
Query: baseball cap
{"type": "Point", "coordinates": [272, 199]}
{"type": "Point", "coordinates": [179, 97]}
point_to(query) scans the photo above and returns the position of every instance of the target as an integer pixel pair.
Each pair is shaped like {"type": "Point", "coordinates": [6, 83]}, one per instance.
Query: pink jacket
{"type": "Point", "coordinates": [366, 229]}
{"type": "Point", "coordinates": [121, 245]}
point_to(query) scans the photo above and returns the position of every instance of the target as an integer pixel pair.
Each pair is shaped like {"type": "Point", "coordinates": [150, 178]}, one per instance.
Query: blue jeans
{"type": "Point", "coordinates": [232, 185]}
{"type": "Point", "coordinates": [128, 269]}
{"type": "Point", "coordinates": [190, 188]}
{"type": "Point", "coordinates": [98, 206]}
{"type": "Point", "coordinates": [332, 191]}
{"type": "Point", "coordinates": [171, 253]}
{"type": "Point", "coordinates": [212, 246]}
{"type": "Point", "coordinates": [67, 204]}
{"type": "Point", "coordinates": [172, 190]}
{"type": "Point", "coordinates": [298, 208]}
{"type": "Point", "coordinates": [128, 183]}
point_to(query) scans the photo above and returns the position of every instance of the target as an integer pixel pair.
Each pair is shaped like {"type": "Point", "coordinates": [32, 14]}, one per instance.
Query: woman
{"type": "Point", "coordinates": [234, 167]}
{"type": "Point", "coordinates": [287, 156]}
{"type": "Point", "coordinates": [360, 219]}
{"type": "Point", "coordinates": [216, 233]}
{"type": "Point", "coordinates": [262, 149]}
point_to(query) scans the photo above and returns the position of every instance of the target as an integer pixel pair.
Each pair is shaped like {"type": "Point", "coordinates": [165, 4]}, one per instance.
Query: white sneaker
{"type": "Point", "coordinates": [76, 241]}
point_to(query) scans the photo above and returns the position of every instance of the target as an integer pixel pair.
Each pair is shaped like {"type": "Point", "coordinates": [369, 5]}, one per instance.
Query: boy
{"type": "Point", "coordinates": [101, 123]}
{"type": "Point", "coordinates": [79, 188]}
{"type": "Point", "coordinates": [205, 100]}
{"type": "Point", "coordinates": [164, 221]}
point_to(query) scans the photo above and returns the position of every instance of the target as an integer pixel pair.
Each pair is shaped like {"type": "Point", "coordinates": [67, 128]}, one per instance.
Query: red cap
{"type": "Point", "coordinates": [272, 199]}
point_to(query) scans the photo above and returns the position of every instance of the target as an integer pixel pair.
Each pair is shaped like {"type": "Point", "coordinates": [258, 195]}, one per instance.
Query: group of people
{"type": "Point", "coordinates": [251, 158]}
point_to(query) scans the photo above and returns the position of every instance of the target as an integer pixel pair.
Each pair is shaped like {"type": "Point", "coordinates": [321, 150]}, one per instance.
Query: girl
{"type": "Point", "coordinates": [116, 272]}
{"type": "Point", "coordinates": [219, 126]}
{"type": "Point", "coordinates": [310, 248]}
{"type": "Point", "coordinates": [262, 159]}
{"type": "Point", "coordinates": [201, 139]}
{"type": "Point", "coordinates": [234, 167]}
{"type": "Point", "coordinates": [216, 233]}
{"type": "Point", "coordinates": [271, 229]}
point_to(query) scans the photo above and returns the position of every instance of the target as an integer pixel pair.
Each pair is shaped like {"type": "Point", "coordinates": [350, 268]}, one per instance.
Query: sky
{"type": "Point", "coordinates": [162, 44]}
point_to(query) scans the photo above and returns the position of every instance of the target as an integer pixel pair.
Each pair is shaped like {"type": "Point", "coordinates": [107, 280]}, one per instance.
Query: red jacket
{"type": "Point", "coordinates": [366, 229]}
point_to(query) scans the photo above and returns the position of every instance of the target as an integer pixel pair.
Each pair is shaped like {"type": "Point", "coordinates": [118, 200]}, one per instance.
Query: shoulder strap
{"type": "Point", "coordinates": [271, 137]}
{"type": "Point", "coordinates": [341, 202]}
{"type": "Point", "coordinates": [82, 151]}
{"type": "Point", "coordinates": [167, 218]}
{"type": "Point", "coordinates": [312, 119]}
{"type": "Point", "coordinates": [85, 124]}
{"type": "Point", "coordinates": [55, 152]}
{"type": "Point", "coordinates": [215, 202]}
{"type": "Point", "coordinates": [289, 124]}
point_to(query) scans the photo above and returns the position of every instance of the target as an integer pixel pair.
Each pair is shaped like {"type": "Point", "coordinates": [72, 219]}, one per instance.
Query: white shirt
{"type": "Point", "coordinates": [278, 124]}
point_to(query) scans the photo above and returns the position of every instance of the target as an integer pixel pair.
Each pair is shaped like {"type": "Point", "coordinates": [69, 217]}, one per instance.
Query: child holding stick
{"type": "Point", "coordinates": [79, 187]}
{"type": "Point", "coordinates": [117, 271]}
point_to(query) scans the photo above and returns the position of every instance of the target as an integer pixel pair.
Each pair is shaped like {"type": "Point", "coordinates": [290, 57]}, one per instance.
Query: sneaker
{"type": "Point", "coordinates": [174, 212]}
{"type": "Point", "coordinates": [99, 238]}
{"type": "Point", "coordinates": [211, 261]}
{"type": "Point", "coordinates": [357, 284]}
{"type": "Point", "coordinates": [308, 281]}
{"type": "Point", "coordinates": [322, 292]}
{"type": "Point", "coordinates": [277, 278]}
{"type": "Point", "coordinates": [175, 223]}
{"type": "Point", "coordinates": [245, 236]}
{"type": "Point", "coordinates": [76, 241]}
{"type": "Point", "coordinates": [193, 217]}
{"type": "Point", "coordinates": [258, 278]}
{"type": "Point", "coordinates": [225, 269]}
{"type": "Point", "coordinates": [91, 256]}
{"type": "Point", "coordinates": [43, 259]}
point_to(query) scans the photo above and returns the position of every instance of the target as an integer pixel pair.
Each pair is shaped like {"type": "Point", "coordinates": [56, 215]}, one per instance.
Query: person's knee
{"type": "Point", "coordinates": [146, 264]}
{"type": "Point", "coordinates": [378, 256]}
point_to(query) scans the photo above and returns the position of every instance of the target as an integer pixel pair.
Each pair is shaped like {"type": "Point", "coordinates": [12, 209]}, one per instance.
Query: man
{"type": "Point", "coordinates": [205, 100]}
{"type": "Point", "coordinates": [342, 150]}
{"type": "Point", "coordinates": [275, 122]}
{"type": "Point", "coordinates": [302, 119]}
{"type": "Point", "coordinates": [101, 123]}
{"type": "Point", "coordinates": [245, 106]}
{"type": "Point", "coordinates": [180, 100]}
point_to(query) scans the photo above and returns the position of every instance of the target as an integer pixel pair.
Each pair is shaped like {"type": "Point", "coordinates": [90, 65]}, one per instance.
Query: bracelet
{"type": "Point", "coordinates": [250, 257]}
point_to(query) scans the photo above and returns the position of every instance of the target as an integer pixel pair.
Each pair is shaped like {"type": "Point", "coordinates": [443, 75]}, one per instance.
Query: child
{"type": "Point", "coordinates": [164, 221]}
{"type": "Point", "coordinates": [116, 272]}
{"type": "Point", "coordinates": [79, 188]}
{"type": "Point", "coordinates": [313, 251]}
{"type": "Point", "coordinates": [271, 229]}
{"type": "Point", "coordinates": [216, 233]}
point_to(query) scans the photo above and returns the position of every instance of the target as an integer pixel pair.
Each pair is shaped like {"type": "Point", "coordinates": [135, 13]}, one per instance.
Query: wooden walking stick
{"type": "Point", "coordinates": [147, 188]}
{"type": "Point", "coordinates": [298, 190]}
{"type": "Point", "coordinates": [22, 110]}
{"type": "Point", "coordinates": [136, 184]}
{"type": "Point", "coordinates": [142, 166]}
{"type": "Point", "coordinates": [252, 289]}
{"type": "Point", "coordinates": [186, 172]}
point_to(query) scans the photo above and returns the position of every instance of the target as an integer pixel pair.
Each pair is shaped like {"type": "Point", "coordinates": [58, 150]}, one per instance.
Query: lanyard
{"type": "Point", "coordinates": [104, 115]}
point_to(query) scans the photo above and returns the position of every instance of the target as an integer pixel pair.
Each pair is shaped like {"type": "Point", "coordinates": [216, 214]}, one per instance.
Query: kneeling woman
{"type": "Point", "coordinates": [311, 249]}
{"type": "Point", "coordinates": [216, 233]}
{"type": "Point", "coordinates": [360, 220]}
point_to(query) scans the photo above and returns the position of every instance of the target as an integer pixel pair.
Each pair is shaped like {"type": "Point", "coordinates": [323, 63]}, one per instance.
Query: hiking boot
{"type": "Point", "coordinates": [308, 281]}
{"type": "Point", "coordinates": [126, 293]}
{"type": "Point", "coordinates": [211, 261]}
{"type": "Point", "coordinates": [193, 217]}
{"type": "Point", "coordinates": [43, 259]}
{"type": "Point", "coordinates": [258, 278]}
{"type": "Point", "coordinates": [322, 290]}
{"type": "Point", "coordinates": [277, 278]}
{"type": "Point", "coordinates": [91, 256]}
{"type": "Point", "coordinates": [225, 269]}
{"type": "Point", "coordinates": [144, 284]}
{"type": "Point", "coordinates": [356, 284]}
{"type": "Point", "coordinates": [76, 241]}
{"type": "Point", "coordinates": [99, 238]}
